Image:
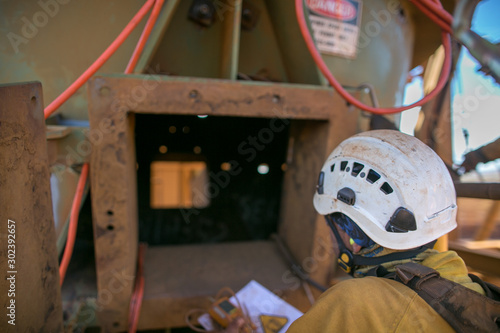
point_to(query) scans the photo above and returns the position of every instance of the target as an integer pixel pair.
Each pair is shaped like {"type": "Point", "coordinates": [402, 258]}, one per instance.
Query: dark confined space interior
{"type": "Point", "coordinates": [243, 162]}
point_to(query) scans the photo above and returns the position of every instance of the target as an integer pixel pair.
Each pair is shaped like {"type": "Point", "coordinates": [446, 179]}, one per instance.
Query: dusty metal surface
{"type": "Point", "coordinates": [54, 42]}
{"type": "Point", "coordinates": [298, 63]}
{"type": "Point", "coordinates": [117, 95]}
{"type": "Point", "coordinates": [66, 152]}
{"type": "Point", "coordinates": [180, 278]}
{"type": "Point", "coordinates": [26, 207]}
{"type": "Point", "coordinates": [113, 102]}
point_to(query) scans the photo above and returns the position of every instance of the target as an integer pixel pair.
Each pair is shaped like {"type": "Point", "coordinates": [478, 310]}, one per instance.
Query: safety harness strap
{"type": "Point", "coordinates": [464, 309]}
{"type": "Point", "coordinates": [491, 290]}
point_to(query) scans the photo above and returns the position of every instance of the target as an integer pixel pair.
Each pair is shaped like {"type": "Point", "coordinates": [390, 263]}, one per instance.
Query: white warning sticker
{"type": "Point", "coordinates": [335, 25]}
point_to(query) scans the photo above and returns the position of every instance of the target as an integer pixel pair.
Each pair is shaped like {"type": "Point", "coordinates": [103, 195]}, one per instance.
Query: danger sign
{"type": "Point", "coordinates": [335, 25]}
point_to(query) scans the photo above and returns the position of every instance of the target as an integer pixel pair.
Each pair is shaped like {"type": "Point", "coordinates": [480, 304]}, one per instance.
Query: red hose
{"type": "Point", "coordinates": [52, 107]}
{"type": "Point", "coordinates": [445, 71]}
{"type": "Point", "coordinates": [144, 36]}
{"type": "Point", "coordinates": [73, 223]}
{"type": "Point", "coordinates": [136, 300]}
{"type": "Point", "coordinates": [437, 8]}
{"type": "Point", "coordinates": [432, 15]}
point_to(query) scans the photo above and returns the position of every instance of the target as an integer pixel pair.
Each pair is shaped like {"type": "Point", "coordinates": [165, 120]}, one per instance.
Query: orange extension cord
{"type": "Point", "coordinates": [73, 223]}
{"type": "Point", "coordinates": [144, 36]}
{"type": "Point", "coordinates": [439, 15]}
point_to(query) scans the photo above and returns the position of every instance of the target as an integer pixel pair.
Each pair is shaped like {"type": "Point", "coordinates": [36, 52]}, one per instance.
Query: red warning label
{"type": "Point", "coordinates": [337, 9]}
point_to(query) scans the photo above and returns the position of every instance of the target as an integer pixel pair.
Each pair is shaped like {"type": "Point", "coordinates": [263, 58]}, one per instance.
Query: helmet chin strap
{"type": "Point", "coordinates": [348, 260]}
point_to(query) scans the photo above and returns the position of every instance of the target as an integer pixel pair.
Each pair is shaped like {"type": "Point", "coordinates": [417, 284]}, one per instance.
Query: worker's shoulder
{"type": "Point", "coordinates": [384, 305]}
{"type": "Point", "coordinates": [370, 286]}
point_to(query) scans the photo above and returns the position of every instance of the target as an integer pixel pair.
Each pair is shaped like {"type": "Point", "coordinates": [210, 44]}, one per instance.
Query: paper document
{"type": "Point", "coordinates": [268, 312]}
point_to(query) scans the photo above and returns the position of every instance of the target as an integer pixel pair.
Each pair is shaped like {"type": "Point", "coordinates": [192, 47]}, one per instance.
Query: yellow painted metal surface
{"type": "Point", "coordinates": [54, 42]}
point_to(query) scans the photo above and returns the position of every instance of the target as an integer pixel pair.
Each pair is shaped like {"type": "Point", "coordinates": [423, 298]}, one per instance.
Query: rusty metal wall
{"type": "Point", "coordinates": [28, 256]}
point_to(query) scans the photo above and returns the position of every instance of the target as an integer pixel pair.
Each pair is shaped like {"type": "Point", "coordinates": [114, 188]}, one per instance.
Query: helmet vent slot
{"type": "Point", "coordinates": [356, 169]}
{"type": "Point", "coordinates": [372, 176]}
{"type": "Point", "coordinates": [343, 165]}
{"type": "Point", "coordinates": [332, 167]}
{"type": "Point", "coordinates": [386, 188]}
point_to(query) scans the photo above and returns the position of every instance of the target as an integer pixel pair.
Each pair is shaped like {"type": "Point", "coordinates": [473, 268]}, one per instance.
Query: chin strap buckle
{"type": "Point", "coordinates": [346, 261]}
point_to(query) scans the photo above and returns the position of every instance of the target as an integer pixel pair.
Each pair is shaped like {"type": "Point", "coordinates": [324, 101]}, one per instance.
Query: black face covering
{"type": "Point", "coordinates": [352, 229]}
{"type": "Point", "coordinates": [347, 260]}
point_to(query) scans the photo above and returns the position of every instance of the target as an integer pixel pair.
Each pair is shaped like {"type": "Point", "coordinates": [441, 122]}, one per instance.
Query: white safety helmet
{"type": "Point", "coordinates": [396, 189]}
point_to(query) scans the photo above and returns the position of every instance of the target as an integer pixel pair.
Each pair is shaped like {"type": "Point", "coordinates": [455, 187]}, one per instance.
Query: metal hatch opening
{"type": "Point", "coordinates": [208, 179]}
{"type": "Point", "coordinates": [243, 140]}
